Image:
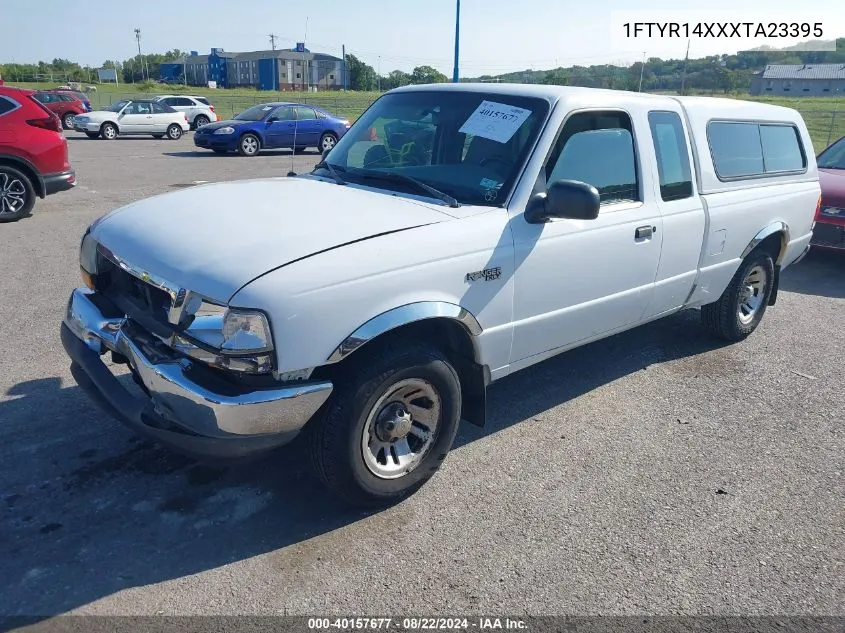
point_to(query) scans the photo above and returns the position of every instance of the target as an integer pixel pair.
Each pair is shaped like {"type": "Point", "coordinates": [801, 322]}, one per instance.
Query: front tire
{"type": "Point", "coordinates": [389, 424]}
{"type": "Point", "coordinates": [67, 120]}
{"type": "Point", "coordinates": [17, 195]}
{"type": "Point", "coordinates": [742, 305]}
{"type": "Point", "coordinates": [174, 132]}
{"type": "Point", "coordinates": [249, 145]}
{"type": "Point", "coordinates": [109, 131]}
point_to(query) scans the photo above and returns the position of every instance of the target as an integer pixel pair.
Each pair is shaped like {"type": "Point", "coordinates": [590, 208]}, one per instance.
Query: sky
{"type": "Point", "coordinates": [497, 36]}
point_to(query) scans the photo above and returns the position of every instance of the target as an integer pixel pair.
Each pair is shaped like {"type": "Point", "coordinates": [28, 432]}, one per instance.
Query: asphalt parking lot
{"type": "Point", "coordinates": [657, 471]}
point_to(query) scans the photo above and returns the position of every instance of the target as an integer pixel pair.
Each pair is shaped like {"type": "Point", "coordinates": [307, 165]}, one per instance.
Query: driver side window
{"type": "Point", "coordinates": [597, 148]}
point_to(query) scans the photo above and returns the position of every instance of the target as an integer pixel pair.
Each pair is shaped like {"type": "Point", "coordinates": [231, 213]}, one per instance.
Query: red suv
{"type": "Point", "coordinates": [33, 153]}
{"type": "Point", "coordinates": [64, 104]}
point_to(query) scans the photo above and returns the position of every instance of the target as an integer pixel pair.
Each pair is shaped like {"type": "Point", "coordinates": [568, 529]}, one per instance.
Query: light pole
{"type": "Point", "coordinates": [457, 39]}
{"type": "Point", "coordinates": [140, 57]}
{"type": "Point", "coordinates": [642, 69]}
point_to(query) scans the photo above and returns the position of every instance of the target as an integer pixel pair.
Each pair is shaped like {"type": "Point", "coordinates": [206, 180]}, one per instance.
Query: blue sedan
{"type": "Point", "coordinates": [270, 126]}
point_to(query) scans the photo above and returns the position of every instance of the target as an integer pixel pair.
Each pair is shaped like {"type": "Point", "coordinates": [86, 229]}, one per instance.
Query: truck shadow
{"type": "Point", "coordinates": [89, 509]}
{"type": "Point", "coordinates": [820, 273]}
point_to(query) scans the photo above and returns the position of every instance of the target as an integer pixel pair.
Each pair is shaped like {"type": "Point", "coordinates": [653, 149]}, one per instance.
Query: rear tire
{"type": "Point", "coordinates": [67, 120]}
{"type": "Point", "coordinates": [742, 305]}
{"type": "Point", "coordinates": [249, 145]}
{"type": "Point", "coordinates": [327, 141]}
{"type": "Point", "coordinates": [388, 425]}
{"type": "Point", "coordinates": [109, 131]}
{"type": "Point", "coordinates": [174, 132]}
{"type": "Point", "coordinates": [17, 195]}
{"type": "Point", "coordinates": [200, 120]}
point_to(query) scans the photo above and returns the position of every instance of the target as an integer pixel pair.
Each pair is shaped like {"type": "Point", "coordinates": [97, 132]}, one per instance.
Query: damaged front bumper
{"type": "Point", "coordinates": [188, 406]}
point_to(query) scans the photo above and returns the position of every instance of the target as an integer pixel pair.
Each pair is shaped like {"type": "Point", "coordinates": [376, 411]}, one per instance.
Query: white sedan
{"type": "Point", "coordinates": [141, 116]}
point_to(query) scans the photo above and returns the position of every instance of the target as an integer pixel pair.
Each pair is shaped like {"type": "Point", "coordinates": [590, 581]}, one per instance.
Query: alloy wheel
{"type": "Point", "coordinates": [12, 194]}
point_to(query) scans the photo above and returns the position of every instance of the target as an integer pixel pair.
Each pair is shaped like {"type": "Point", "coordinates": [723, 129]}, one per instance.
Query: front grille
{"type": "Point", "coordinates": [832, 235]}
{"type": "Point", "coordinates": [140, 301]}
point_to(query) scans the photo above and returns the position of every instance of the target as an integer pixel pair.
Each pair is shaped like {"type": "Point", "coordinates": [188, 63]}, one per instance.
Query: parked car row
{"type": "Point", "coordinates": [133, 116]}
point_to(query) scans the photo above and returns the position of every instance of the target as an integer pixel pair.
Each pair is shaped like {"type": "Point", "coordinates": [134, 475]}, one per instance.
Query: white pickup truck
{"type": "Point", "coordinates": [456, 234]}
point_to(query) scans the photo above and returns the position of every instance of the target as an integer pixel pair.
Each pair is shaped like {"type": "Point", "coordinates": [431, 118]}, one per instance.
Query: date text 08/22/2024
{"type": "Point", "coordinates": [415, 624]}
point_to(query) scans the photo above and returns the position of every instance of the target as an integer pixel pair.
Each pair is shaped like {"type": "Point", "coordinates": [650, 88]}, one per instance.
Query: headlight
{"type": "Point", "coordinates": [88, 259]}
{"type": "Point", "coordinates": [80, 119]}
{"type": "Point", "coordinates": [240, 339]}
{"type": "Point", "coordinates": [225, 130]}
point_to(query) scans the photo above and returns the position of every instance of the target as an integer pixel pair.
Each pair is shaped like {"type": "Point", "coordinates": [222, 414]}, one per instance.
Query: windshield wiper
{"type": "Point", "coordinates": [399, 177]}
{"type": "Point", "coordinates": [334, 171]}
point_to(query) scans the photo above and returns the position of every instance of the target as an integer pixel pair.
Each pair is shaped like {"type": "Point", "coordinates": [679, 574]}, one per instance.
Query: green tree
{"type": "Point", "coordinates": [395, 79]}
{"type": "Point", "coordinates": [427, 75]}
{"type": "Point", "coordinates": [361, 76]}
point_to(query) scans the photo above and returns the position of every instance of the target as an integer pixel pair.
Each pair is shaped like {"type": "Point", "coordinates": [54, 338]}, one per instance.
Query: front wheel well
{"type": "Point", "coordinates": [449, 336]}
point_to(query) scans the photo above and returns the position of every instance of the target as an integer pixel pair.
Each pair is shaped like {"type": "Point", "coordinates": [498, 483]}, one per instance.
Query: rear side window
{"type": "Point", "coordinates": [6, 105]}
{"type": "Point", "coordinates": [742, 150]}
{"type": "Point", "coordinates": [781, 148]}
{"type": "Point", "coordinates": [305, 114]}
{"type": "Point", "coordinates": [670, 145]}
{"type": "Point", "coordinates": [202, 100]}
{"type": "Point", "coordinates": [160, 108]}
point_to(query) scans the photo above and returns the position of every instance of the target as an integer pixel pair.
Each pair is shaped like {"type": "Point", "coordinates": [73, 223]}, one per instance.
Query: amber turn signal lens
{"type": "Point", "coordinates": [87, 279]}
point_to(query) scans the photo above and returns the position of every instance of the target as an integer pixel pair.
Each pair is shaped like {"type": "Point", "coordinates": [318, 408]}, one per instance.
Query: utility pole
{"type": "Point", "coordinates": [457, 40]}
{"type": "Point", "coordinates": [140, 56]}
{"type": "Point", "coordinates": [379, 73]}
{"type": "Point", "coordinates": [343, 69]}
{"type": "Point", "coordinates": [273, 40]}
{"type": "Point", "coordinates": [642, 69]}
{"type": "Point", "coordinates": [684, 74]}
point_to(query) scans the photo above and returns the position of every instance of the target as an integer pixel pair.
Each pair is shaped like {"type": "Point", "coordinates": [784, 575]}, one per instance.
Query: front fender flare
{"type": "Point", "coordinates": [403, 315]}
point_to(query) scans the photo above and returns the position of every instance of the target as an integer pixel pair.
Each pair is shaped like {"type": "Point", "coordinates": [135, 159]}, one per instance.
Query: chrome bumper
{"type": "Point", "coordinates": [188, 405]}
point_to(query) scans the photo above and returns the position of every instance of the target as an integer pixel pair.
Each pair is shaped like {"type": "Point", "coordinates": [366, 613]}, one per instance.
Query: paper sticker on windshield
{"type": "Point", "coordinates": [265, 108]}
{"type": "Point", "coordinates": [496, 121]}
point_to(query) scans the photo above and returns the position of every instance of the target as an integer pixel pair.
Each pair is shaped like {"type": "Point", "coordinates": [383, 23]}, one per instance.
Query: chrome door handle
{"type": "Point", "coordinates": [644, 232]}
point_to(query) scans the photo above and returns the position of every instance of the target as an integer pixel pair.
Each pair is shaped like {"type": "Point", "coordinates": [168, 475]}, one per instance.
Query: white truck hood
{"type": "Point", "coordinates": [215, 238]}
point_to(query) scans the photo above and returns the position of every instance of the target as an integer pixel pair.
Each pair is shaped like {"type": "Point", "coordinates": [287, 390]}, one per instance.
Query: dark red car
{"type": "Point", "coordinates": [66, 105]}
{"type": "Point", "coordinates": [33, 153]}
{"type": "Point", "coordinates": [829, 232]}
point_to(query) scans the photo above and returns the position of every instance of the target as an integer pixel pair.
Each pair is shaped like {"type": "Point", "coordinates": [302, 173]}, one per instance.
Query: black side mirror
{"type": "Point", "coordinates": [571, 199]}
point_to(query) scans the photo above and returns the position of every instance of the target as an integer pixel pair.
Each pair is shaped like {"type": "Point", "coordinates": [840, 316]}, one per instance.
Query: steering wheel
{"type": "Point", "coordinates": [502, 160]}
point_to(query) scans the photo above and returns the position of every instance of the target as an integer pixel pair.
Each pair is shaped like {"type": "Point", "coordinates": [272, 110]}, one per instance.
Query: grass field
{"type": "Point", "coordinates": [825, 117]}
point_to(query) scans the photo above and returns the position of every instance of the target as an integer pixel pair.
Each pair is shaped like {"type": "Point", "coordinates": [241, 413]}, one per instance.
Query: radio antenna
{"type": "Point", "coordinates": [292, 173]}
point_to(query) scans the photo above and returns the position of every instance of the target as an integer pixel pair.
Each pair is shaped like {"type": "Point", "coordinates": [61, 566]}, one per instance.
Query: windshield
{"type": "Point", "coordinates": [468, 145]}
{"type": "Point", "coordinates": [118, 106]}
{"type": "Point", "coordinates": [255, 113]}
{"type": "Point", "coordinates": [834, 156]}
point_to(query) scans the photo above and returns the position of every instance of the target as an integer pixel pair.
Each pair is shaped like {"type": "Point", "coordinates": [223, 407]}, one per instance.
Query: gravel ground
{"type": "Point", "coordinates": [653, 472]}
